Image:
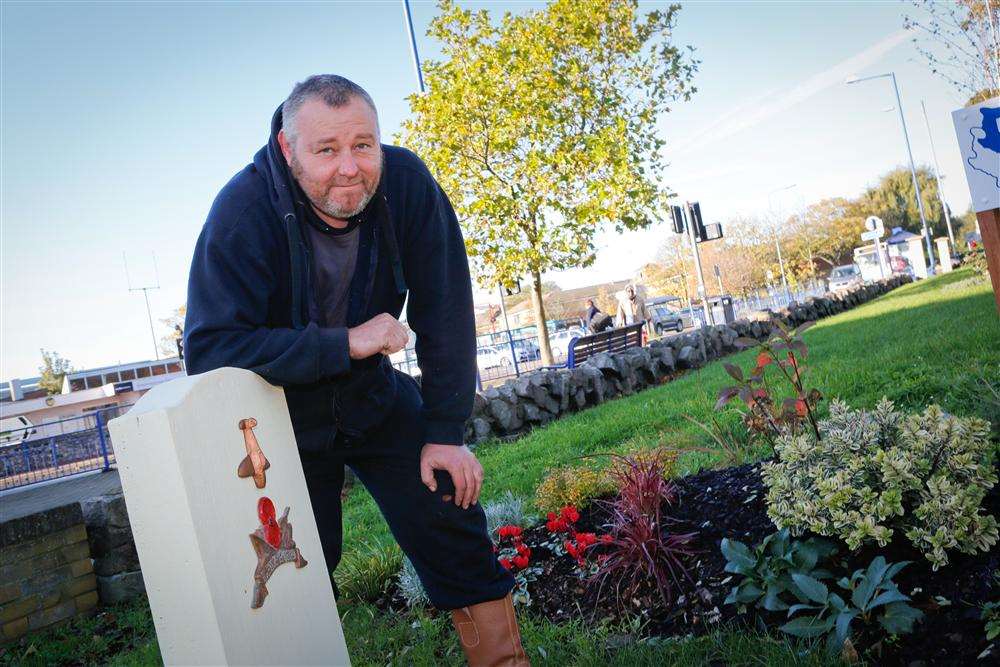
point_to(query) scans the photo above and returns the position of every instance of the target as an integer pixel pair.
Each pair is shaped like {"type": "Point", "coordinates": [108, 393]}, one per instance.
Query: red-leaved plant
{"type": "Point", "coordinates": [786, 352]}
{"type": "Point", "coordinates": [640, 549]}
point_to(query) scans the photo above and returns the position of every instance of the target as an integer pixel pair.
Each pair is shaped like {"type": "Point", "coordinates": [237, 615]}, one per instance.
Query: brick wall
{"type": "Point", "coordinates": [46, 574]}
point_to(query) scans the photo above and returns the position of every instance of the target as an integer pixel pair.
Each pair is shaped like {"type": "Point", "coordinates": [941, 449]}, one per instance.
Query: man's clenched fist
{"type": "Point", "coordinates": [381, 334]}
{"type": "Point", "coordinates": [460, 463]}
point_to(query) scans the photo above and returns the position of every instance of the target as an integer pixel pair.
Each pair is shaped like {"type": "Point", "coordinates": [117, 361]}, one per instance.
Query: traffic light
{"type": "Point", "coordinates": [677, 219]}
{"type": "Point", "coordinates": [694, 215]}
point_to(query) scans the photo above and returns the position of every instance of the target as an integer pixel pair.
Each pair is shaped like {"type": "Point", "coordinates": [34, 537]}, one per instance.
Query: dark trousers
{"type": "Point", "coordinates": [448, 546]}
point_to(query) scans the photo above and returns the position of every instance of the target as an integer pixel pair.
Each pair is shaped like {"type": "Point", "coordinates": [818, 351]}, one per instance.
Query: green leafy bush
{"type": "Point", "coordinates": [872, 597]}
{"type": "Point", "coordinates": [768, 568]}
{"type": "Point", "coordinates": [365, 574]}
{"type": "Point", "coordinates": [575, 486]}
{"type": "Point", "coordinates": [872, 473]}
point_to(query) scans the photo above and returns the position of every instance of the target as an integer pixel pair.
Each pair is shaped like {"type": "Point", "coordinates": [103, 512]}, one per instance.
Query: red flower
{"type": "Point", "coordinates": [505, 562]}
{"type": "Point", "coordinates": [557, 526]}
{"type": "Point", "coordinates": [607, 539]}
{"type": "Point", "coordinates": [520, 562]}
{"type": "Point", "coordinates": [550, 516]}
{"type": "Point", "coordinates": [800, 408]}
{"type": "Point", "coordinates": [509, 531]}
{"type": "Point", "coordinates": [569, 514]}
{"type": "Point", "coordinates": [523, 550]}
{"type": "Point", "coordinates": [584, 540]}
{"type": "Point", "coordinates": [571, 549]}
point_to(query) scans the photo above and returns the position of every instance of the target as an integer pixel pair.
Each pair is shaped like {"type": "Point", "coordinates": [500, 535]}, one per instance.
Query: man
{"type": "Point", "coordinates": [596, 321]}
{"type": "Point", "coordinates": [299, 275]}
{"type": "Point", "coordinates": [632, 309]}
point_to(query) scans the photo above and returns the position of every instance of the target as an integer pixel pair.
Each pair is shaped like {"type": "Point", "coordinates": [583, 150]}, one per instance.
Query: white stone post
{"type": "Point", "coordinates": [178, 451]}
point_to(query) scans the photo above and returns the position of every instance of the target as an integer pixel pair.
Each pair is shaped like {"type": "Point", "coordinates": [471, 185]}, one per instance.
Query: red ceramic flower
{"type": "Point", "coordinates": [266, 514]}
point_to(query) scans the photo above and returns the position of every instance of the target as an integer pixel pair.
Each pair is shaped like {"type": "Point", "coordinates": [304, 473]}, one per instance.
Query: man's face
{"type": "Point", "coordinates": [335, 157]}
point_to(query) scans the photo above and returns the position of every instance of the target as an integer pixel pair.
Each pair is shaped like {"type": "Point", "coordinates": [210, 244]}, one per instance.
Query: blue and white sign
{"type": "Point", "coordinates": [978, 131]}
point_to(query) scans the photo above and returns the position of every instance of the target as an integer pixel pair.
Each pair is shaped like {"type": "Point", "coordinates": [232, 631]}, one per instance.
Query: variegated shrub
{"type": "Point", "coordinates": [872, 473]}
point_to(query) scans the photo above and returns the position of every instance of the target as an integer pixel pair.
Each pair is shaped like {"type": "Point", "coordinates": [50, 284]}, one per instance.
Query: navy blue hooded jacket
{"type": "Point", "coordinates": [250, 288]}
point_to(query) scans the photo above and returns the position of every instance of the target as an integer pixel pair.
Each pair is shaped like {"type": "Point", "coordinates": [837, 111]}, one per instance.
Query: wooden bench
{"type": "Point", "coordinates": [582, 348]}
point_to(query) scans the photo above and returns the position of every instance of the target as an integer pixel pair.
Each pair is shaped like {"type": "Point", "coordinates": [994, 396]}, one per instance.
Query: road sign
{"type": "Point", "coordinates": [874, 223]}
{"type": "Point", "coordinates": [872, 235]}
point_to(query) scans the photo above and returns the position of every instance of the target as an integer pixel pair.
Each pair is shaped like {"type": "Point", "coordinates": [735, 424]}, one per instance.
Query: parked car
{"type": "Point", "coordinates": [14, 430]}
{"type": "Point", "coordinates": [560, 340]}
{"type": "Point", "coordinates": [527, 349]}
{"type": "Point", "coordinates": [490, 356]}
{"type": "Point", "coordinates": [845, 277]}
{"type": "Point", "coordinates": [665, 319]}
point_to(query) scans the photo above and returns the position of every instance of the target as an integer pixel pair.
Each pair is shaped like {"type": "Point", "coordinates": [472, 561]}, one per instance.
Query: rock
{"type": "Point", "coordinates": [105, 511]}
{"type": "Point", "coordinates": [122, 559]}
{"type": "Point", "coordinates": [480, 429]}
{"type": "Point", "coordinates": [604, 362]}
{"type": "Point", "coordinates": [118, 587]}
{"type": "Point", "coordinates": [687, 357]}
{"type": "Point", "coordinates": [505, 415]}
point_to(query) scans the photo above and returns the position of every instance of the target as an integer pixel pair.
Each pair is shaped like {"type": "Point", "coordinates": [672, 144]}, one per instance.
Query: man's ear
{"type": "Point", "coordinates": [286, 147]}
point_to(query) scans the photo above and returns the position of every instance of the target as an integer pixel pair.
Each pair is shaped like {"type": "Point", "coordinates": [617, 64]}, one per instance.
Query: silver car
{"type": "Point", "coordinates": [845, 277]}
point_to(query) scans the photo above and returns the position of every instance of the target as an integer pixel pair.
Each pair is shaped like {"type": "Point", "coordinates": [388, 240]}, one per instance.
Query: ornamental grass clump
{"type": "Point", "coordinates": [640, 550]}
{"type": "Point", "coordinates": [872, 473]}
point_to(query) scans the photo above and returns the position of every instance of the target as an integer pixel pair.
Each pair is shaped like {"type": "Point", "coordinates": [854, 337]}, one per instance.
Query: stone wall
{"type": "Point", "coordinates": [539, 397]}
{"type": "Point", "coordinates": [46, 575]}
{"type": "Point", "coordinates": [116, 562]}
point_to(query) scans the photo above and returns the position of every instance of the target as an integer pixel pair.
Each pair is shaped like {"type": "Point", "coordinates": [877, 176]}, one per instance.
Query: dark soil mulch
{"type": "Point", "coordinates": [730, 503]}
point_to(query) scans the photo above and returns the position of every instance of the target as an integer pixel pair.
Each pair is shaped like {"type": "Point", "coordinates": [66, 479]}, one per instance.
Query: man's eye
{"type": "Point", "coordinates": [326, 150]}
{"type": "Point", "coordinates": [363, 147]}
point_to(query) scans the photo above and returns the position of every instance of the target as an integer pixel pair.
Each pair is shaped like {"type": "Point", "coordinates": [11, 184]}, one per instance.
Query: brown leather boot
{"type": "Point", "coordinates": [489, 634]}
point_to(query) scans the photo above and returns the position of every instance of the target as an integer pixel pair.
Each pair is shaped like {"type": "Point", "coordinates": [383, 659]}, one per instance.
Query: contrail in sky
{"type": "Point", "coordinates": [756, 110]}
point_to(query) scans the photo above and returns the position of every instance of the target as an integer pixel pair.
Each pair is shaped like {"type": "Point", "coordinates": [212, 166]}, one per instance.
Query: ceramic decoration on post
{"type": "Point", "coordinates": [274, 546]}
{"type": "Point", "coordinates": [255, 463]}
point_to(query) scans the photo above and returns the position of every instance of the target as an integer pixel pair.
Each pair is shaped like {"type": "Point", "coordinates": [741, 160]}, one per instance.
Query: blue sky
{"type": "Point", "coordinates": [121, 121]}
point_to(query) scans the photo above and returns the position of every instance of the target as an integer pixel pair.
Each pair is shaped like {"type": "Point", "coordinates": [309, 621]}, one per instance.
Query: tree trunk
{"type": "Point", "coordinates": [539, 308]}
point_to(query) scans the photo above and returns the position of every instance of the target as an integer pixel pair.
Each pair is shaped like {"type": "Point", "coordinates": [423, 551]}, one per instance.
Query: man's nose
{"type": "Point", "coordinates": [348, 166]}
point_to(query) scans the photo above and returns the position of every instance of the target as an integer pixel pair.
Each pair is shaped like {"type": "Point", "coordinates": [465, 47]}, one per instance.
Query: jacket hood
{"type": "Point", "coordinates": [271, 164]}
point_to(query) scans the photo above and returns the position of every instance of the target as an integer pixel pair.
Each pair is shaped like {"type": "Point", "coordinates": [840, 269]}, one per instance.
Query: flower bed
{"type": "Point", "coordinates": [729, 503]}
{"type": "Point", "coordinates": [907, 569]}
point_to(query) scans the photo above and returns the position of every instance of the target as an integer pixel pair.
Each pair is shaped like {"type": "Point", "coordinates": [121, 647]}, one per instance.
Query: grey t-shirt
{"type": "Point", "coordinates": [334, 258]}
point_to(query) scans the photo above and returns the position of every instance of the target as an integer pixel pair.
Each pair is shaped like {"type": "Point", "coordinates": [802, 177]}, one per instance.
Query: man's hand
{"type": "Point", "coordinates": [460, 463]}
{"type": "Point", "coordinates": [381, 334]}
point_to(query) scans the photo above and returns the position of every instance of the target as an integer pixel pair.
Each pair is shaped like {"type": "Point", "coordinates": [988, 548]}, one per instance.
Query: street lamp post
{"type": "Point", "coordinates": [913, 169]}
{"type": "Point", "coordinates": [413, 44]}
{"type": "Point", "coordinates": [777, 246]}
{"type": "Point", "coordinates": [937, 177]}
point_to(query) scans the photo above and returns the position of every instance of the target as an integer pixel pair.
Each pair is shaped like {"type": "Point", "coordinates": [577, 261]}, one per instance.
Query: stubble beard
{"type": "Point", "coordinates": [326, 203]}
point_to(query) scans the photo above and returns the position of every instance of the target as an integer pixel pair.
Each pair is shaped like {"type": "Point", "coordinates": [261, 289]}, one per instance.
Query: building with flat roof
{"type": "Point", "coordinates": [83, 393]}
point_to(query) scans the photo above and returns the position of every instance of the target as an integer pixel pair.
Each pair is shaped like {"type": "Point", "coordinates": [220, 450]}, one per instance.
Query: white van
{"type": "Point", "coordinates": [15, 430]}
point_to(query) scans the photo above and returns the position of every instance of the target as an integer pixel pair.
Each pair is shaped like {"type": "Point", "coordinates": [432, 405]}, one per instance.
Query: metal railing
{"type": "Point", "coordinates": [87, 447]}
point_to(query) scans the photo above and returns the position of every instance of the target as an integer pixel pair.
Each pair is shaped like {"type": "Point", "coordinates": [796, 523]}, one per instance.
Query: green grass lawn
{"type": "Point", "coordinates": [930, 342]}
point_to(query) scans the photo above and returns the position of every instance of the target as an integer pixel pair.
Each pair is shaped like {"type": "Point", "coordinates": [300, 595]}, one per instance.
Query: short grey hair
{"type": "Point", "coordinates": [336, 91]}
